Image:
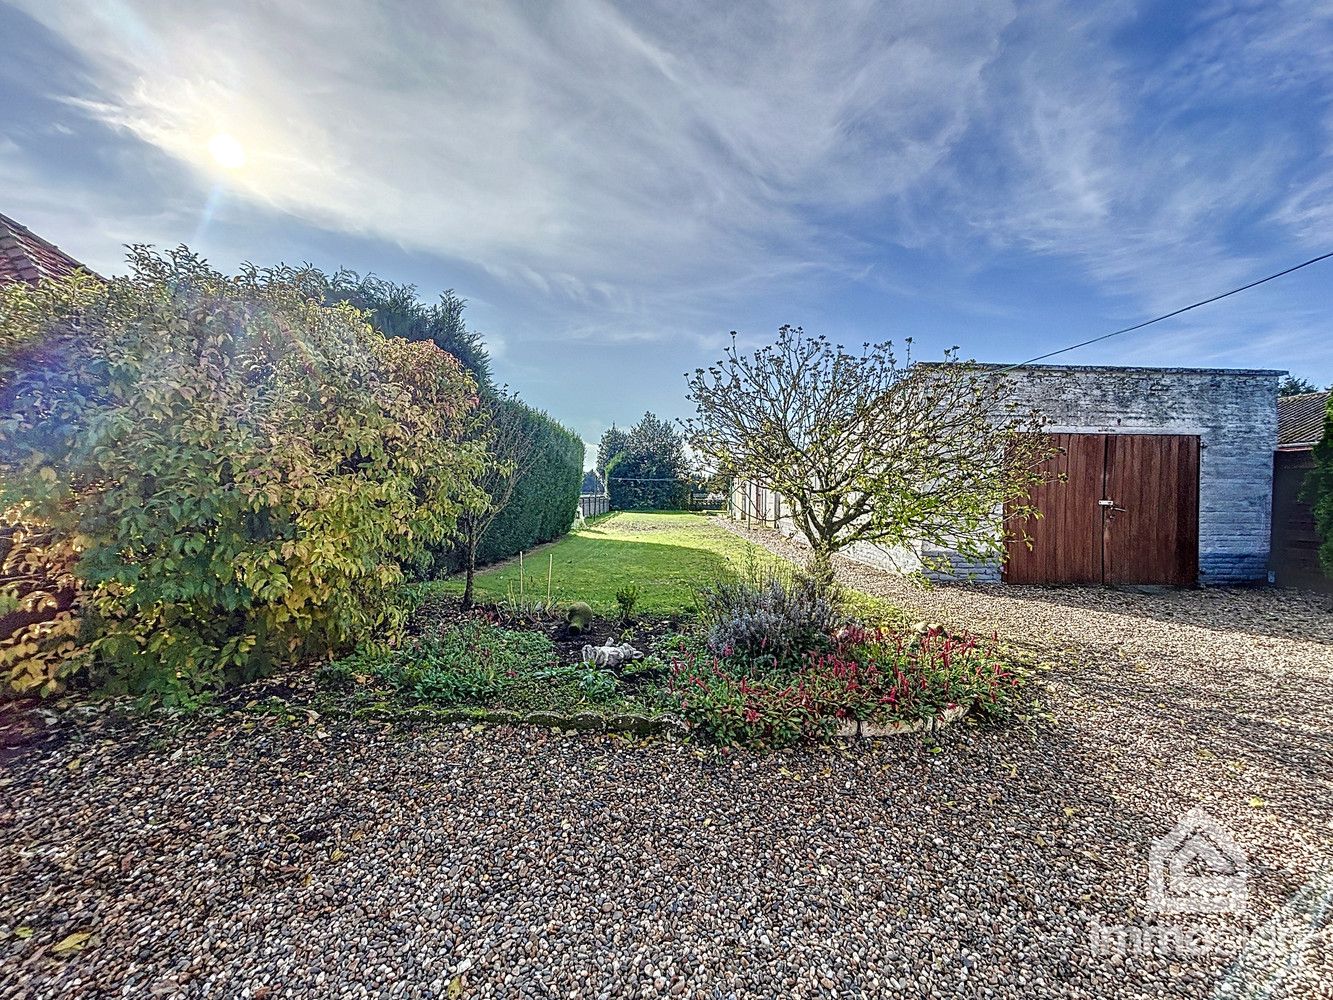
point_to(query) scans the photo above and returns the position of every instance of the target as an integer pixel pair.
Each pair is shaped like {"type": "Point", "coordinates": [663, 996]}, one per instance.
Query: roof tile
{"type": "Point", "coordinates": [25, 256]}
{"type": "Point", "coordinates": [1300, 419]}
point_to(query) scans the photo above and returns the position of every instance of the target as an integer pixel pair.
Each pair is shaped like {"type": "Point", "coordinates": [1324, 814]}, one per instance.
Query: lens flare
{"type": "Point", "coordinates": [226, 151]}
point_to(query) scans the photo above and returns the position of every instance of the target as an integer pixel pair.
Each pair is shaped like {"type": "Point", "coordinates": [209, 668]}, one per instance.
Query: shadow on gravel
{"type": "Point", "coordinates": [1281, 733]}
{"type": "Point", "coordinates": [1277, 613]}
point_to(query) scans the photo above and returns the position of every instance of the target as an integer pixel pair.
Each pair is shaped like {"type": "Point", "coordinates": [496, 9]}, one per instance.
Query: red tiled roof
{"type": "Point", "coordinates": [24, 256]}
{"type": "Point", "coordinates": [1300, 419]}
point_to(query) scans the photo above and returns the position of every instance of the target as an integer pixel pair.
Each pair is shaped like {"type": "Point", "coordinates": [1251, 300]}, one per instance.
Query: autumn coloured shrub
{"type": "Point", "coordinates": [41, 640]}
{"type": "Point", "coordinates": [862, 674]}
{"type": "Point", "coordinates": [247, 474]}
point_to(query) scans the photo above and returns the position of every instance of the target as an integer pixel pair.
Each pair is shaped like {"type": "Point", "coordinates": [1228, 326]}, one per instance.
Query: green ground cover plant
{"type": "Point", "coordinates": [477, 662]}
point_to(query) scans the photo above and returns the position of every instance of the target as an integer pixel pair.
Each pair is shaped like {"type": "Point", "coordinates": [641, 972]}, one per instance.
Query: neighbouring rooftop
{"type": "Point", "coordinates": [25, 256]}
{"type": "Point", "coordinates": [1300, 419]}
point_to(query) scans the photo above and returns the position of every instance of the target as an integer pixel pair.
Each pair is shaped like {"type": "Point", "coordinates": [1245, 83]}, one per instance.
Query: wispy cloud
{"type": "Point", "coordinates": [579, 148]}
{"type": "Point", "coordinates": [1141, 170]}
{"type": "Point", "coordinates": [648, 172]}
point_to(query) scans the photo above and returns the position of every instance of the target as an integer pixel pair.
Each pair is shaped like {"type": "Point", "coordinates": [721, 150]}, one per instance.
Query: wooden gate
{"type": "Point", "coordinates": [1119, 508]}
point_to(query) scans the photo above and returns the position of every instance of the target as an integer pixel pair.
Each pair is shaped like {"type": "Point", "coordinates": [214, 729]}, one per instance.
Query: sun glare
{"type": "Point", "coordinates": [226, 151]}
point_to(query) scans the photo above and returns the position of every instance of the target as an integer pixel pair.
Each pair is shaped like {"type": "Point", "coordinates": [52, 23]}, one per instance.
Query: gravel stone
{"type": "Point", "coordinates": [268, 859]}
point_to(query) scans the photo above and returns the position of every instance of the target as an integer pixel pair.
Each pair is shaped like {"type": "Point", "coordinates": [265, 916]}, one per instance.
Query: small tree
{"type": "Point", "coordinates": [508, 434]}
{"type": "Point", "coordinates": [1294, 385]}
{"type": "Point", "coordinates": [867, 450]}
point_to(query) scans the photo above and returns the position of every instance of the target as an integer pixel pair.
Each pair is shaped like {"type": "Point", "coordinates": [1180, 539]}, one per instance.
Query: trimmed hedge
{"type": "Point", "coordinates": [546, 499]}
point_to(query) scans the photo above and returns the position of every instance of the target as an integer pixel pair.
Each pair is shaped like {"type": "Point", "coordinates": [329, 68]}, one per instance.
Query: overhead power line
{"type": "Point", "coordinates": [1174, 312]}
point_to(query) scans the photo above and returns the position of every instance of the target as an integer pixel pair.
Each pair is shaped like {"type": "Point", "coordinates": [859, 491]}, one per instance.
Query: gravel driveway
{"type": "Point", "coordinates": [312, 859]}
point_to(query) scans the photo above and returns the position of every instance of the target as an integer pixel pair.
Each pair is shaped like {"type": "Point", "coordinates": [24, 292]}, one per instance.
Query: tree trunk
{"type": "Point", "coordinates": [821, 567]}
{"type": "Point", "coordinates": [470, 557]}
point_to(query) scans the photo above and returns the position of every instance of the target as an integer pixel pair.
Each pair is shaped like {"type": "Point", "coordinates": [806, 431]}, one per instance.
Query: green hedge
{"type": "Point", "coordinates": [546, 499]}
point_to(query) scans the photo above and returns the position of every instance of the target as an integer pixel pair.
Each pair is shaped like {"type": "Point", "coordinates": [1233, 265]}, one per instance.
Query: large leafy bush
{"type": "Point", "coordinates": [246, 473]}
{"type": "Point", "coordinates": [39, 593]}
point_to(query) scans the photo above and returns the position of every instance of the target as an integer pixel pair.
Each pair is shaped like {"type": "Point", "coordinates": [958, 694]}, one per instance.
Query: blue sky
{"type": "Point", "coordinates": [614, 187]}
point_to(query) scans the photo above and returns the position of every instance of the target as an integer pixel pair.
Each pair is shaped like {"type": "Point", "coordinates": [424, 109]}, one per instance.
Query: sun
{"type": "Point", "coordinates": [226, 151]}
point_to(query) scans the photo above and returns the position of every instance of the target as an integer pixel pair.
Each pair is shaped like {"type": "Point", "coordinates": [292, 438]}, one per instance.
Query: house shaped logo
{"type": "Point", "coordinates": [1197, 868]}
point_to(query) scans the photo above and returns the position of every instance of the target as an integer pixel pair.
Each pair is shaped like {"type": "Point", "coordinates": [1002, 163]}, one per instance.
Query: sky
{"type": "Point", "coordinates": [615, 187]}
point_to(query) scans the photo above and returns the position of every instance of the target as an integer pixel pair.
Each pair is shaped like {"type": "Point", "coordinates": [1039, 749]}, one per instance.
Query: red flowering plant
{"type": "Point", "coordinates": [867, 674]}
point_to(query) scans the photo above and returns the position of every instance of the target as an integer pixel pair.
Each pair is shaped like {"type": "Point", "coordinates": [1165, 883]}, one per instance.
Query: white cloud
{"type": "Point", "coordinates": [586, 151]}
{"type": "Point", "coordinates": [646, 168]}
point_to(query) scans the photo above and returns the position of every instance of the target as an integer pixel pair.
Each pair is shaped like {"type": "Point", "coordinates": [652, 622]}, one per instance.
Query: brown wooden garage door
{"type": "Point", "coordinates": [1119, 508]}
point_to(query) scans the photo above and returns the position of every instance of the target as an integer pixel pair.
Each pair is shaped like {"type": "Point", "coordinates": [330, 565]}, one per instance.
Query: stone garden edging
{"type": "Point", "coordinates": [589, 722]}
{"type": "Point", "coordinates": [639, 725]}
{"type": "Point", "coordinates": [854, 729]}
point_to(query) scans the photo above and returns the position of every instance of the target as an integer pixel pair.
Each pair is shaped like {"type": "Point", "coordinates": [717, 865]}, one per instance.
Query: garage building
{"type": "Point", "coordinates": [1167, 479]}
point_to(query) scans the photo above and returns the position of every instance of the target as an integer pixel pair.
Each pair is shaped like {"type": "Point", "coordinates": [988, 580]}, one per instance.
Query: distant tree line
{"type": "Point", "coordinates": [645, 467]}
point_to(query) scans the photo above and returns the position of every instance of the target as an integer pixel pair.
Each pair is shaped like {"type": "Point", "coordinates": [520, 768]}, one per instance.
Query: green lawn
{"type": "Point", "coordinates": [666, 554]}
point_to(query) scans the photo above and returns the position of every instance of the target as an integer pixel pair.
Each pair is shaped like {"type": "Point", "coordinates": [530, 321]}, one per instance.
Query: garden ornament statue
{"type": "Point", "coordinates": [609, 655]}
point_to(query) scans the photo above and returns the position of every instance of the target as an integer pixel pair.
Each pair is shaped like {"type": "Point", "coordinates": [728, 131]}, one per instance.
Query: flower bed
{"type": "Point", "coordinates": [765, 664]}
{"type": "Point", "coordinates": [866, 675]}
{"type": "Point", "coordinates": [472, 661]}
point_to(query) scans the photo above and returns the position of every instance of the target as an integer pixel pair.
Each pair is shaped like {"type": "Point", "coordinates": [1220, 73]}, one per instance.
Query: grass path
{"type": "Point", "coordinates": [666, 554]}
